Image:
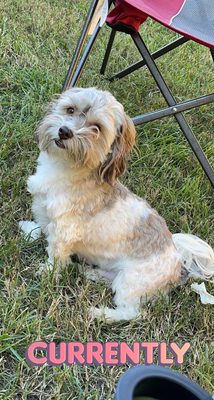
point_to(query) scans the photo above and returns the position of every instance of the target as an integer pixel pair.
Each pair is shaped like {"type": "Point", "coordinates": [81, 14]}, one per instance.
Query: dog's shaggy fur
{"type": "Point", "coordinates": [83, 209]}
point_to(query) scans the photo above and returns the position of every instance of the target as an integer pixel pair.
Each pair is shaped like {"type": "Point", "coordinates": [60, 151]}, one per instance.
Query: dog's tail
{"type": "Point", "coordinates": [196, 255]}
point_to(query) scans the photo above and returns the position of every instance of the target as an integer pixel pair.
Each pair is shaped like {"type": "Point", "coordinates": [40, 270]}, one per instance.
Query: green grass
{"type": "Point", "coordinates": [38, 40]}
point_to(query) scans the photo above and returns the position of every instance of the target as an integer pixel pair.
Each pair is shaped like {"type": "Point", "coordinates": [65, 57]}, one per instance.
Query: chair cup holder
{"type": "Point", "coordinates": [158, 383]}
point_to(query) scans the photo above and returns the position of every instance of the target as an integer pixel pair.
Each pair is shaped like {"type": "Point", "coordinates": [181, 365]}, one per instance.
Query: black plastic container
{"type": "Point", "coordinates": [158, 383]}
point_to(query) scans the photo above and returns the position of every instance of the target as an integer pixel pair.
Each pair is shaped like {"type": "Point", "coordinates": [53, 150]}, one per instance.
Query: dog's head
{"type": "Point", "coordinates": [90, 128]}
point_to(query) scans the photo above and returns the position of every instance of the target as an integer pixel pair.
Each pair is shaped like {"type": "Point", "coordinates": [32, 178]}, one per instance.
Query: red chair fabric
{"type": "Point", "coordinates": [191, 18]}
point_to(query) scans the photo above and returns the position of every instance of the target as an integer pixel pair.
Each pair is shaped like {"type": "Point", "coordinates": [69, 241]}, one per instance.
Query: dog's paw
{"type": "Point", "coordinates": [30, 230]}
{"type": "Point", "coordinates": [95, 312]}
{"type": "Point", "coordinates": [110, 315]}
{"type": "Point", "coordinates": [44, 268]}
{"type": "Point", "coordinates": [100, 314]}
{"type": "Point", "coordinates": [48, 267]}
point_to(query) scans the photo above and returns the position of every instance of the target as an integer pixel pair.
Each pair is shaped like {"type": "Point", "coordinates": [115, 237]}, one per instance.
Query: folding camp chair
{"type": "Point", "coordinates": [192, 19]}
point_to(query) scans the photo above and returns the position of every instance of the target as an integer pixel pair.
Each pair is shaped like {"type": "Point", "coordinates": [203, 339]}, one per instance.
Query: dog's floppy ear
{"type": "Point", "coordinates": [115, 163]}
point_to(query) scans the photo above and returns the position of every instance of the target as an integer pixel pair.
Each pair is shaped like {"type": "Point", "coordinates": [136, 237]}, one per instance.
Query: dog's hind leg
{"type": "Point", "coordinates": [97, 275]}
{"type": "Point", "coordinates": [126, 300]}
{"type": "Point", "coordinates": [138, 284]}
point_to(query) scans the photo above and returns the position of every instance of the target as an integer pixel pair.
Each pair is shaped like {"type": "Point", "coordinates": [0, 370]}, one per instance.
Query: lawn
{"type": "Point", "coordinates": [37, 41]}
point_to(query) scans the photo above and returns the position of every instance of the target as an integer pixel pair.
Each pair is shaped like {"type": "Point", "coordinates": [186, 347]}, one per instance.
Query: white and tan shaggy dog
{"type": "Point", "coordinates": [83, 209]}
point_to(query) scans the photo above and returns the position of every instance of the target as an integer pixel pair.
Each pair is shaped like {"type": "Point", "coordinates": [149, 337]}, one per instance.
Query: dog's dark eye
{"type": "Point", "coordinates": [70, 110]}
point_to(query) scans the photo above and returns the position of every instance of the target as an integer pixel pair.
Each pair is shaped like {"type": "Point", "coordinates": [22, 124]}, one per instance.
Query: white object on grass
{"type": "Point", "coordinates": [196, 255]}
{"type": "Point", "coordinates": [206, 298]}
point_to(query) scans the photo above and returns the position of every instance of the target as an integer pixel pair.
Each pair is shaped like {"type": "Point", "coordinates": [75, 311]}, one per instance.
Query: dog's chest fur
{"type": "Point", "coordinates": [105, 225]}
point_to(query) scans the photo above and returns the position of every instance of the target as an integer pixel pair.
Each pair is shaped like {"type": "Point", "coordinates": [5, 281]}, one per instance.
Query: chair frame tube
{"type": "Point", "coordinates": [108, 51]}
{"type": "Point", "coordinates": [170, 111]}
{"type": "Point", "coordinates": [79, 46]}
{"type": "Point", "coordinates": [172, 103]}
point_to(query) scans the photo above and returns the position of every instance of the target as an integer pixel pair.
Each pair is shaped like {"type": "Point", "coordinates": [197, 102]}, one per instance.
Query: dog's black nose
{"type": "Point", "coordinates": [65, 133]}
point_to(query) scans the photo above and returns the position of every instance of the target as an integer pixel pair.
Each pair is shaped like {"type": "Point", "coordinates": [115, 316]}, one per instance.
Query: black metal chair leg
{"type": "Point", "coordinates": [108, 51]}
{"type": "Point", "coordinates": [156, 54]}
{"type": "Point", "coordinates": [84, 58]}
{"type": "Point", "coordinates": [80, 45]}
{"type": "Point", "coordinates": [172, 102]}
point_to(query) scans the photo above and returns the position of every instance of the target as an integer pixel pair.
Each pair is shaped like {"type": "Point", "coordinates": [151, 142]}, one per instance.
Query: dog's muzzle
{"type": "Point", "coordinates": [64, 134]}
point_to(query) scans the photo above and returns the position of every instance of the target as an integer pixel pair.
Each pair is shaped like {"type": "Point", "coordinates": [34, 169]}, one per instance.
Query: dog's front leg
{"type": "Point", "coordinates": [59, 256]}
